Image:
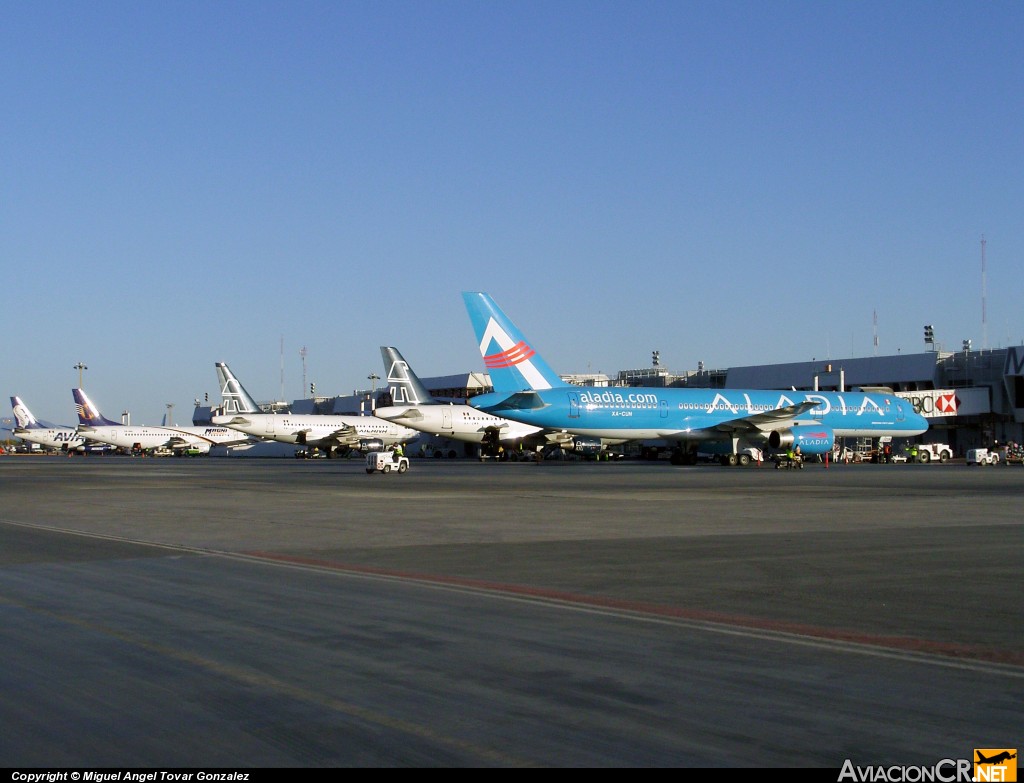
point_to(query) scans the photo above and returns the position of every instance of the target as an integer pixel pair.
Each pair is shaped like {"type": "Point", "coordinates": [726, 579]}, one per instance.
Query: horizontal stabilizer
{"type": "Point", "coordinates": [520, 401]}
{"type": "Point", "coordinates": [410, 414]}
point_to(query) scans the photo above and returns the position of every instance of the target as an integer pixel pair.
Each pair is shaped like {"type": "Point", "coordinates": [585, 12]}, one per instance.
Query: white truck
{"type": "Point", "coordinates": [934, 452]}
{"type": "Point", "coordinates": [386, 462]}
{"type": "Point", "coordinates": [982, 457]}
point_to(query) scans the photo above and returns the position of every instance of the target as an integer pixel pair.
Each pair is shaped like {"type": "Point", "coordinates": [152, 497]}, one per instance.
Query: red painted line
{"type": "Point", "coordinates": [907, 644]}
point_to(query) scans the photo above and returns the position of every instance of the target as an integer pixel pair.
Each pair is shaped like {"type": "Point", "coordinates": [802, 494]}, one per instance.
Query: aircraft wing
{"type": "Point", "coordinates": [766, 421]}
{"type": "Point", "coordinates": [345, 435]}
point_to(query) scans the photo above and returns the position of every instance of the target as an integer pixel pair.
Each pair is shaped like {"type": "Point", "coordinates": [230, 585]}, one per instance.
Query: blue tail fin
{"type": "Point", "coordinates": [511, 361]}
{"type": "Point", "coordinates": [404, 386]}
{"type": "Point", "coordinates": [233, 396]}
{"type": "Point", "coordinates": [88, 415]}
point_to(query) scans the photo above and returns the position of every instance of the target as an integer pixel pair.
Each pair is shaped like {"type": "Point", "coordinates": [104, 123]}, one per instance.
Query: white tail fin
{"type": "Point", "coordinates": [234, 398]}
{"type": "Point", "coordinates": [405, 388]}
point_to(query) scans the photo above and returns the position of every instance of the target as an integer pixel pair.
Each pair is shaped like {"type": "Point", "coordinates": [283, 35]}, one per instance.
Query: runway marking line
{"type": "Point", "coordinates": [902, 643]}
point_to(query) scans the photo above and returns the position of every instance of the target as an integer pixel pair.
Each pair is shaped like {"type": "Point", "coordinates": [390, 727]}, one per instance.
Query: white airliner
{"type": "Point", "coordinates": [50, 436]}
{"type": "Point", "coordinates": [329, 432]}
{"type": "Point", "coordinates": [95, 427]}
{"type": "Point", "coordinates": [413, 405]}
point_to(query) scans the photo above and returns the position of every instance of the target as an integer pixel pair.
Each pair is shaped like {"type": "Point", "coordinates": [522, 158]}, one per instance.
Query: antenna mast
{"type": "Point", "coordinates": [874, 329]}
{"type": "Point", "coordinates": [984, 316]}
{"type": "Point", "coordinates": [302, 353]}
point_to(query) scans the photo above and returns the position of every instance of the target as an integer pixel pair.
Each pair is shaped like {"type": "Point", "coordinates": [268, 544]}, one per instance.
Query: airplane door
{"type": "Point", "coordinates": [270, 425]}
{"type": "Point", "coordinates": [574, 405]}
{"type": "Point", "coordinates": [664, 409]}
{"type": "Point", "coordinates": [446, 418]}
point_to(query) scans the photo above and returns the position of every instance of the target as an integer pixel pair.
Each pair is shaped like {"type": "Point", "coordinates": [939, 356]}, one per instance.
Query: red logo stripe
{"type": "Point", "coordinates": [519, 352]}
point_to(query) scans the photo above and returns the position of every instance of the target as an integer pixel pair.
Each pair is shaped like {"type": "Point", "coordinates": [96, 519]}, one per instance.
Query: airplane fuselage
{"type": "Point", "coordinates": [53, 437]}
{"type": "Point", "coordinates": [317, 430]}
{"type": "Point", "coordinates": [458, 422]}
{"type": "Point", "coordinates": [703, 414]}
{"type": "Point", "coordinates": [129, 436]}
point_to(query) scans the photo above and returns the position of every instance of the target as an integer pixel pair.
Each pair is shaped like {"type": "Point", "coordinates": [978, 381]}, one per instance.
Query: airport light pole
{"type": "Point", "coordinates": [373, 378]}
{"type": "Point", "coordinates": [80, 366]}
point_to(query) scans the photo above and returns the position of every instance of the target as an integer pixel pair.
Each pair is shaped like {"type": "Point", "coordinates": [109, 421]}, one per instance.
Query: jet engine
{"type": "Point", "coordinates": [371, 444]}
{"type": "Point", "coordinates": [587, 446]}
{"type": "Point", "coordinates": [812, 439]}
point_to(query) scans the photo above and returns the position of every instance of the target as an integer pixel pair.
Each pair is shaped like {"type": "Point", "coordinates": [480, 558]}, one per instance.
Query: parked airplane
{"type": "Point", "coordinates": [95, 426]}
{"type": "Point", "coordinates": [414, 406]}
{"type": "Point", "coordinates": [50, 436]}
{"type": "Point", "coordinates": [324, 431]}
{"type": "Point", "coordinates": [526, 392]}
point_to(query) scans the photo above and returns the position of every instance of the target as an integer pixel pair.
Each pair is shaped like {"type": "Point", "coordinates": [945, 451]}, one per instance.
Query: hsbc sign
{"type": "Point", "coordinates": [946, 404]}
{"type": "Point", "coordinates": [935, 403]}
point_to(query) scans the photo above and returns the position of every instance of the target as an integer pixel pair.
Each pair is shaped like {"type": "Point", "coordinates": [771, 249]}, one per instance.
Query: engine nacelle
{"type": "Point", "coordinates": [812, 439]}
{"type": "Point", "coordinates": [371, 444]}
{"type": "Point", "coordinates": [586, 446]}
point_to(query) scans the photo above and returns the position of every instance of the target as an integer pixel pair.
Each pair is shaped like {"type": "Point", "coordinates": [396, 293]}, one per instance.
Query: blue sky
{"type": "Point", "coordinates": [728, 182]}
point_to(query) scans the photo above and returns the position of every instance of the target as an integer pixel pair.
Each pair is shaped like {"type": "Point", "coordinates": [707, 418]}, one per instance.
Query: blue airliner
{"type": "Point", "coordinates": [526, 389]}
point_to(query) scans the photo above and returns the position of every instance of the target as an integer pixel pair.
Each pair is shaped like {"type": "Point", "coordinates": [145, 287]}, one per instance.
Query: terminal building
{"type": "Point", "coordinates": [971, 398]}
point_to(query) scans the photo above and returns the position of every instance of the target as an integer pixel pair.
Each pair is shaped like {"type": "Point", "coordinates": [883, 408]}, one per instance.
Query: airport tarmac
{"type": "Point", "coordinates": [507, 614]}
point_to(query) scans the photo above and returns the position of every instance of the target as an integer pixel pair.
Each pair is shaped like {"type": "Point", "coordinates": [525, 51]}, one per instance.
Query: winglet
{"type": "Point", "coordinates": [512, 363]}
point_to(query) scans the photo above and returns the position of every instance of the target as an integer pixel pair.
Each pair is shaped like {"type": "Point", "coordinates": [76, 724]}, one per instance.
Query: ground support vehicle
{"type": "Point", "coordinates": [934, 452]}
{"type": "Point", "coordinates": [1013, 454]}
{"type": "Point", "coordinates": [982, 457]}
{"type": "Point", "coordinates": [386, 462]}
{"type": "Point", "coordinates": [785, 461]}
{"type": "Point", "coordinates": [844, 454]}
